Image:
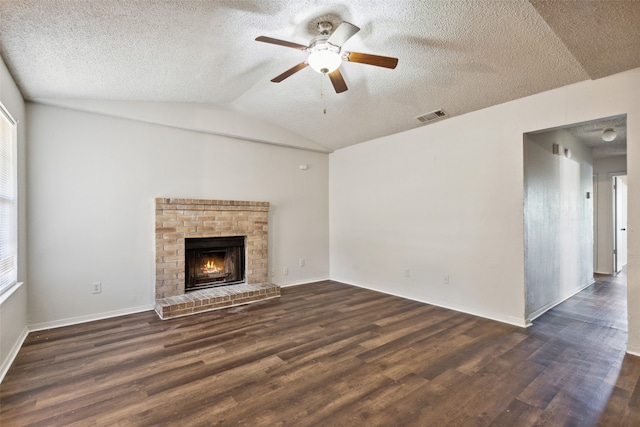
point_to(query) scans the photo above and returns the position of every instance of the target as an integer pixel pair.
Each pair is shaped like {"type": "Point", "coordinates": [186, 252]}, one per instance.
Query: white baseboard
{"type": "Point", "coordinates": [6, 364]}
{"type": "Point", "coordinates": [539, 312]}
{"type": "Point", "coordinates": [467, 310]}
{"type": "Point", "coordinates": [634, 351]}
{"type": "Point", "coordinates": [304, 282]}
{"type": "Point", "coordinates": [89, 318]}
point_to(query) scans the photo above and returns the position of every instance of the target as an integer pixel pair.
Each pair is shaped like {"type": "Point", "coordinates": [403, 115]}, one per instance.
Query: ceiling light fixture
{"type": "Point", "coordinates": [609, 135]}
{"type": "Point", "coordinates": [324, 57]}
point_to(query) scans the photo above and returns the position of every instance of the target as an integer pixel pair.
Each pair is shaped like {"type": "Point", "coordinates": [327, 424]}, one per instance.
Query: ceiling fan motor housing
{"type": "Point", "coordinates": [325, 27]}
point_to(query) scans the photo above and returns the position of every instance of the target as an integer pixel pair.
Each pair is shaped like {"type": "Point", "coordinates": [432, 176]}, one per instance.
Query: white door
{"type": "Point", "coordinates": [620, 249]}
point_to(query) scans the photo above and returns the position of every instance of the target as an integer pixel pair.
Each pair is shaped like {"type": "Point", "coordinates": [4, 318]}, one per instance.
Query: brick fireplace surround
{"type": "Point", "coordinates": [177, 219]}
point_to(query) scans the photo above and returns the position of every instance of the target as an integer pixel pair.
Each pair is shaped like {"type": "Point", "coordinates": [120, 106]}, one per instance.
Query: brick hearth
{"type": "Point", "coordinates": [214, 299]}
{"type": "Point", "coordinates": [178, 219]}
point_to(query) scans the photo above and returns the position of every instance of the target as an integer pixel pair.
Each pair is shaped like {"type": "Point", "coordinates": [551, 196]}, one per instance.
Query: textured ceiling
{"type": "Point", "coordinates": [591, 135]}
{"type": "Point", "coordinates": [460, 56]}
{"type": "Point", "coordinates": [603, 35]}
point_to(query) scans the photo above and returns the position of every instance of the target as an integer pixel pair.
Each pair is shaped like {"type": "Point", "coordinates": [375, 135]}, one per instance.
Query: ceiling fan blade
{"type": "Point", "coordinates": [280, 42]}
{"type": "Point", "coordinates": [343, 33]}
{"type": "Point", "coordinates": [377, 60]}
{"type": "Point", "coordinates": [338, 81]}
{"type": "Point", "coordinates": [289, 72]}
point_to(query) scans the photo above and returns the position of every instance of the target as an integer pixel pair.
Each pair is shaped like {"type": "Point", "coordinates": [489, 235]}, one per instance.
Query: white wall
{"type": "Point", "coordinates": [602, 169]}
{"type": "Point", "coordinates": [201, 117]}
{"type": "Point", "coordinates": [558, 219]}
{"type": "Point", "coordinates": [439, 200]}
{"type": "Point", "coordinates": [448, 199]}
{"type": "Point", "coordinates": [13, 307]}
{"type": "Point", "coordinates": [92, 184]}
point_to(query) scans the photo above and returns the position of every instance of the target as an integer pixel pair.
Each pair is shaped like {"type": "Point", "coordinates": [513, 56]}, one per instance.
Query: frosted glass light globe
{"type": "Point", "coordinates": [324, 61]}
{"type": "Point", "coordinates": [609, 135]}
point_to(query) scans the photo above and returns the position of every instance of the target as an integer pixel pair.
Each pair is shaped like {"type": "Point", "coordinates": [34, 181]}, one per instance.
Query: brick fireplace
{"type": "Point", "coordinates": [180, 219]}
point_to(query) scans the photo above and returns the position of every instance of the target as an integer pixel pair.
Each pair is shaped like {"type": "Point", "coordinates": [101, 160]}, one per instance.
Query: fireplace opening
{"type": "Point", "coordinates": [214, 261]}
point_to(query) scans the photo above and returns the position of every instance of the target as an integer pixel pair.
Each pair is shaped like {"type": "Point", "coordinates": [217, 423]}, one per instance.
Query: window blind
{"type": "Point", "coordinates": [8, 201]}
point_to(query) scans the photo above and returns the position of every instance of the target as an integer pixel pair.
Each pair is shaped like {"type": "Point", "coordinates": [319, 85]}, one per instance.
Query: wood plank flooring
{"type": "Point", "coordinates": [328, 354]}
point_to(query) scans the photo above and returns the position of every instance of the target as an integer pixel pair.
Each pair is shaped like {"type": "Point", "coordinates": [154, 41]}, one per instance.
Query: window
{"type": "Point", "coordinates": [8, 202]}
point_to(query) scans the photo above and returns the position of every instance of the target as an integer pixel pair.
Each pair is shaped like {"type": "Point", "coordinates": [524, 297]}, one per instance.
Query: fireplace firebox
{"type": "Point", "coordinates": [214, 261]}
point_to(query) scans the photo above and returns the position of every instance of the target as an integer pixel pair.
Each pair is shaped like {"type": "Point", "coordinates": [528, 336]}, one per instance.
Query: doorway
{"type": "Point", "coordinates": [620, 222]}
{"type": "Point", "coordinates": [565, 178]}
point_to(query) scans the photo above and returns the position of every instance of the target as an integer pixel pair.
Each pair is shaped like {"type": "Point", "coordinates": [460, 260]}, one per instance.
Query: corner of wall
{"type": "Point", "coordinates": [11, 355]}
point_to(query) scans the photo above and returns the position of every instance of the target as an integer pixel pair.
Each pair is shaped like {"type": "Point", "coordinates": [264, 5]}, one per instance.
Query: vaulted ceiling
{"type": "Point", "coordinates": [199, 59]}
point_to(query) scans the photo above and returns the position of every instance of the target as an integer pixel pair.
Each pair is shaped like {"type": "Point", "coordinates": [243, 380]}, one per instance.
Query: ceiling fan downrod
{"type": "Point", "coordinates": [324, 28]}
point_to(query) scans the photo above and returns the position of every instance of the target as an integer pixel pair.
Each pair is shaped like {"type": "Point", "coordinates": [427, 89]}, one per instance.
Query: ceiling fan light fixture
{"type": "Point", "coordinates": [609, 135]}
{"type": "Point", "coordinates": [324, 61]}
{"type": "Point", "coordinates": [324, 54]}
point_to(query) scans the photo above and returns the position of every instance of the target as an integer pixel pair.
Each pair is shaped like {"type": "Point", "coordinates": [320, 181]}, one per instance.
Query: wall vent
{"type": "Point", "coordinates": [431, 116]}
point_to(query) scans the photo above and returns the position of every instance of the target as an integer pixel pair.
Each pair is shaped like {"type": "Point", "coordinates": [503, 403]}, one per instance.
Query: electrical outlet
{"type": "Point", "coordinates": [97, 287]}
{"type": "Point", "coordinates": [301, 262]}
{"type": "Point", "coordinates": [285, 271]}
{"type": "Point", "coordinates": [407, 273]}
{"type": "Point", "coordinates": [446, 279]}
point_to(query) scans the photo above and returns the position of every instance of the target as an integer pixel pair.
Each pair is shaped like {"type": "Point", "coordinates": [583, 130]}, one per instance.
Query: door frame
{"type": "Point", "coordinates": [612, 179]}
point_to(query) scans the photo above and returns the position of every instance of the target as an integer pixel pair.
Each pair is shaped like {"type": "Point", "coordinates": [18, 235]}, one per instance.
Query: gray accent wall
{"type": "Point", "coordinates": [558, 219]}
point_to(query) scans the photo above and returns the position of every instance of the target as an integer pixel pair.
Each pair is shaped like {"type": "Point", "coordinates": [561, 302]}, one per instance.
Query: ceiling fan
{"type": "Point", "coordinates": [326, 55]}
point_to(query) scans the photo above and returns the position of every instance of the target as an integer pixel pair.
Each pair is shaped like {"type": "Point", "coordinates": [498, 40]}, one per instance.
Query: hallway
{"type": "Point", "coordinates": [603, 303]}
{"type": "Point", "coordinates": [589, 335]}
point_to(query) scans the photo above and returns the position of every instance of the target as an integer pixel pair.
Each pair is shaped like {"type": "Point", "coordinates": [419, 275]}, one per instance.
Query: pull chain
{"type": "Point", "coordinates": [324, 106]}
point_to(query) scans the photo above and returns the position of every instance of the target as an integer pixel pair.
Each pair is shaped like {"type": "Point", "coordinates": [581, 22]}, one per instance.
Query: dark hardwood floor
{"type": "Point", "coordinates": [329, 354]}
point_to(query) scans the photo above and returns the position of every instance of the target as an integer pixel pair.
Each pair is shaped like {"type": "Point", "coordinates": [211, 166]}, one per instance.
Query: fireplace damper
{"type": "Point", "coordinates": [214, 261]}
